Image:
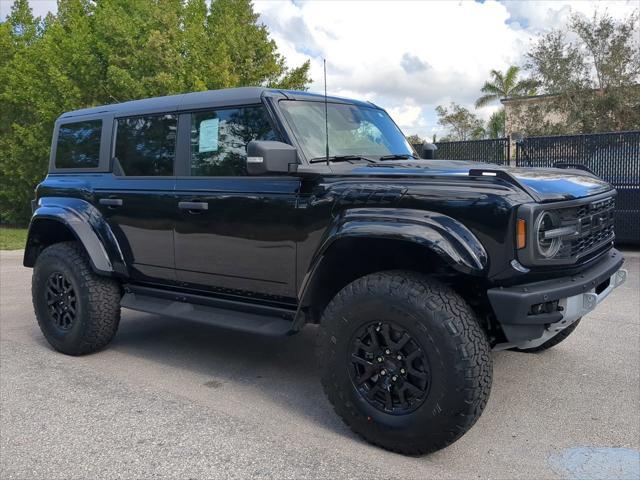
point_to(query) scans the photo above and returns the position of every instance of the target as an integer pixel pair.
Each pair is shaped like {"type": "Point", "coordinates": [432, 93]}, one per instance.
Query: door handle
{"type": "Point", "coordinates": [193, 206]}
{"type": "Point", "coordinates": [111, 202]}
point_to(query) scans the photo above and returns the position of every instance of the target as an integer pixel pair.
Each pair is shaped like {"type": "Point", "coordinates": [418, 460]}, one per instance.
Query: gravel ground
{"type": "Point", "coordinates": [172, 399]}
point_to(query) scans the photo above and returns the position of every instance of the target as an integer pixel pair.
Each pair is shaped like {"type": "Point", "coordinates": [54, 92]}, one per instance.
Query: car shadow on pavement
{"type": "Point", "coordinates": [277, 370]}
{"type": "Point", "coordinates": [280, 369]}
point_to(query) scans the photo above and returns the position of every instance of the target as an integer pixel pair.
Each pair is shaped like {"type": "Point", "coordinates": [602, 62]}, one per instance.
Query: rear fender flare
{"type": "Point", "coordinates": [88, 226]}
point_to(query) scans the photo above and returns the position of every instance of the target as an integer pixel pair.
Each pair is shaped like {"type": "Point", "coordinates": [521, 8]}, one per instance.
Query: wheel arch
{"type": "Point", "coordinates": [63, 219]}
{"type": "Point", "coordinates": [365, 241]}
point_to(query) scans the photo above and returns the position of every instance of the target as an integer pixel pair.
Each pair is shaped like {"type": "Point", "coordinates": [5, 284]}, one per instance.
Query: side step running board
{"type": "Point", "coordinates": [220, 317]}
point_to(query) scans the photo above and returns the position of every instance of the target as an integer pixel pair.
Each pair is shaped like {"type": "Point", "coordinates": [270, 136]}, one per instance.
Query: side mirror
{"type": "Point", "coordinates": [428, 151]}
{"type": "Point", "coordinates": [265, 156]}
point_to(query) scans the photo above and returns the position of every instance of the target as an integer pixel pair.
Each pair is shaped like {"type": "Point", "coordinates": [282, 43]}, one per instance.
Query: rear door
{"type": "Point", "coordinates": [235, 233]}
{"type": "Point", "coordinates": [138, 199]}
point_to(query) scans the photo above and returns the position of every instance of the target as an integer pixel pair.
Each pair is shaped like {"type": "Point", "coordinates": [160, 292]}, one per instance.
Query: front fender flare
{"type": "Point", "coordinates": [445, 236]}
{"type": "Point", "coordinates": [88, 226]}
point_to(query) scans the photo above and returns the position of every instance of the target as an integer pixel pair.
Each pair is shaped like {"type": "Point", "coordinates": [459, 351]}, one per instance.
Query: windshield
{"type": "Point", "coordinates": [353, 130]}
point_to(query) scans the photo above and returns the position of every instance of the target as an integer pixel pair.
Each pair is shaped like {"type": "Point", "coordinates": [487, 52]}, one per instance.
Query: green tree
{"type": "Point", "coordinates": [94, 52]}
{"type": "Point", "coordinates": [591, 73]}
{"type": "Point", "coordinates": [557, 64]}
{"type": "Point", "coordinates": [460, 122]}
{"type": "Point", "coordinates": [501, 86]}
{"type": "Point", "coordinates": [505, 85]}
{"type": "Point", "coordinates": [415, 139]}
{"type": "Point", "coordinates": [496, 124]}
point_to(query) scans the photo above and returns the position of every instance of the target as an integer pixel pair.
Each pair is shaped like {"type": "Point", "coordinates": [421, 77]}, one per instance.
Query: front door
{"type": "Point", "coordinates": [235, 233]}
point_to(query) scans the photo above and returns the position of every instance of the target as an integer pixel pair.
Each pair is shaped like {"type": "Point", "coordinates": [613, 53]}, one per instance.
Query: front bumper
{"type": "Point", "coordinates": [576, 296]}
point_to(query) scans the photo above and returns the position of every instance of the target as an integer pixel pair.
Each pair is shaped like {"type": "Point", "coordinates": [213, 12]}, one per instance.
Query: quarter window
{"type": "Point", "coordinates": [79, 144]}
{"type": "Point", "coordinates": [146, 145]}
{"type": "Point", "coordinates": [219, 139]}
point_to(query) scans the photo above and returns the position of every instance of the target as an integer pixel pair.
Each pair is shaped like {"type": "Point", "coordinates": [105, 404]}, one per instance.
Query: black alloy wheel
{"type": "Point", "coordinates": [61, 301]}
{"type": "Point", "coordinates": [404, 361]}
{"type": "Point", "coordinates": [77, 310]}
{"type": "Point", "coordinates": [389, 368]}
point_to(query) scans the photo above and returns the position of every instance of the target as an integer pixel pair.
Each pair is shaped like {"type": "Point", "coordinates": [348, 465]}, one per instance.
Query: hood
{"type": "Point", "coordinates": [543, 184]}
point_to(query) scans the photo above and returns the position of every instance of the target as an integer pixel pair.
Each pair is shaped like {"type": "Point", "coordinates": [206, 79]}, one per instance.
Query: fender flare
{"type": "Point", "coordinates": [88, 226]}
{"type": "Point", "coordinates": [446, 237]}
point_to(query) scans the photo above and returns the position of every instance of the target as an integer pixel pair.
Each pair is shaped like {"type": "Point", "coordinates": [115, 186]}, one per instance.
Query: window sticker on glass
{"type": "Point", "coordinates": [208, 141]}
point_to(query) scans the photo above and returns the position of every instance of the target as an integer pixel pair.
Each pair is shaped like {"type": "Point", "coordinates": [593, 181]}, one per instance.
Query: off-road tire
{"type": "Point", "coordinates": [553, 341]}
{"type": "Point", "coordinates": [443, 326]}
{"type": "Point", "coordinates": [97, 304]}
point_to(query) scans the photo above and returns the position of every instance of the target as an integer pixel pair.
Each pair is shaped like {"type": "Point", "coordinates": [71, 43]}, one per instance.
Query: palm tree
{"type": "Point", "coordinates": [496, 124]}
{"type": "Point", "coordinates": [505, 85]}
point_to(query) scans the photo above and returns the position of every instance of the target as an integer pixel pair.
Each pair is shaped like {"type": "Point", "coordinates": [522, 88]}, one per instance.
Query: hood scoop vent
{"type": "Point", "coordinates": [503, 175]}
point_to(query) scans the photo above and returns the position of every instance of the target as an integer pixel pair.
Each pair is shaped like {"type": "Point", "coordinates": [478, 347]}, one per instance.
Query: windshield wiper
{"type": "Point", "coordinates": [398, 156]}
{"type": "Point", "coordinates": [341, 158]}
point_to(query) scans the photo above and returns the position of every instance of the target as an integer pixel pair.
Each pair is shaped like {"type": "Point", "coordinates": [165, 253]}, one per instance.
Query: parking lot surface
{"type": "Point", "coordinates": [171, 399]}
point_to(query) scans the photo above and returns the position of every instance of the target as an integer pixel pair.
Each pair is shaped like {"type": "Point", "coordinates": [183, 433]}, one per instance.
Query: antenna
{"type": "Point", "coordinates": [326, 114]}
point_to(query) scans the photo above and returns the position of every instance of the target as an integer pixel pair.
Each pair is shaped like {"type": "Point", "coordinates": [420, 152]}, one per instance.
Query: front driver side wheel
{"type": "Point", "coordinates": [404, 361]}
{"type": "Point", "coordinates": [77, 310]}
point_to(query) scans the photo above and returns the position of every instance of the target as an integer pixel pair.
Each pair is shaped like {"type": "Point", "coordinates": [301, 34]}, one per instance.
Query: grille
{"type": "Point", "coordinates": [595, 227]}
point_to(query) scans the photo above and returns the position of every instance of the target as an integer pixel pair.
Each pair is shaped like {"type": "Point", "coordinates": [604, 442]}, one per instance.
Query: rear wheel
{"type": "Point", "coordinates": [404, 361]}
{"type": "Point", "coordinates": [77, 310]}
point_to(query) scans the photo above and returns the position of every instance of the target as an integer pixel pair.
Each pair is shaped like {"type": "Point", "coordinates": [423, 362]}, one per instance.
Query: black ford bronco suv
{"type": "Point", "coordinates": [236, 207]}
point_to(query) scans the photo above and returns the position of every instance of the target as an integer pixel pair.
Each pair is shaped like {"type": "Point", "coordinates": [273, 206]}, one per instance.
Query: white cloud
{"type": "Point", "coordinates": [411, 56]}
{"type": "Point", "coordinates": [406, 116]}
{"type": "Point", "coordinates": [547, 14]}
{"type": "Point", "coordinates": [408, 56]}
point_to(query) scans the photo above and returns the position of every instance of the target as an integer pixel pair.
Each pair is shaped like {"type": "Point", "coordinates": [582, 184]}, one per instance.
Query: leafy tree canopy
{"type": "Point", "coordinates": [93, 52]}
{"type": "Point", "coordinates": [415, 139]}
{"type": "Point", "coordinates": [496, 124]}
{"type": "Point", "coordinates": [460, 122]}
{"type": "Point", "coordinates": [592, 71]}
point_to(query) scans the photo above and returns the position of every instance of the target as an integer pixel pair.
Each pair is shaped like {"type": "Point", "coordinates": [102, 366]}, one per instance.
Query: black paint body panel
{"type": "Point", "coordinates": [261, 239]}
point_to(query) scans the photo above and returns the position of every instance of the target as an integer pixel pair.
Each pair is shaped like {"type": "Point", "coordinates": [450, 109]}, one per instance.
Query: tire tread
{"type": "Point", "coordinates": [103, 309]}
{"type": "Point", "coordinates": [457, 317]}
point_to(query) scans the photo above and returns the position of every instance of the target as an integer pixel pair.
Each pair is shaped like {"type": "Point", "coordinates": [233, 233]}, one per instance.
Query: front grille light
{"type": "Point", "coordinates": [548, 242]}
{"type": "Point", "coordinates": [562, 233]}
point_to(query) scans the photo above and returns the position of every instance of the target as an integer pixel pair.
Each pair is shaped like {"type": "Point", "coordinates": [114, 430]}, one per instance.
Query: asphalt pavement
{"type": "Point", "coordinates": [172, 399]}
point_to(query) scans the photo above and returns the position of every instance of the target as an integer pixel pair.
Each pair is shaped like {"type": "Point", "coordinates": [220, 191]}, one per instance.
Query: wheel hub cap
{"type": "Point", "coordinates": [389, 368]}
{"type": "Point", "coordinates": [61, 301]}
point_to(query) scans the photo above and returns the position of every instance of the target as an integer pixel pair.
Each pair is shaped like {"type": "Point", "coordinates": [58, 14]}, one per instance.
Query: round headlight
{"type": "Point", "coordinates": [547, 247]}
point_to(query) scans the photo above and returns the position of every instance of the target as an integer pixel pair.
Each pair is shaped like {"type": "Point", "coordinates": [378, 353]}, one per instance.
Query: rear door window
{"type": "Point", "coordinates": [79, 144]}
{"type": "Point", "coordinates": [146, 145]}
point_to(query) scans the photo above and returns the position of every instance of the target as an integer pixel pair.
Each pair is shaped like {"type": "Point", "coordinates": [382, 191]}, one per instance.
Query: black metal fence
{"type": "Point", "coordinates": [491, 151]}
{"type": "Point", "coordinates": [614, 157]}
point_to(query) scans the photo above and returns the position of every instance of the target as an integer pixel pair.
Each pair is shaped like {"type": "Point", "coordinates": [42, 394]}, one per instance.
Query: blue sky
{"type": "Point", "coordinates": [408, 56]}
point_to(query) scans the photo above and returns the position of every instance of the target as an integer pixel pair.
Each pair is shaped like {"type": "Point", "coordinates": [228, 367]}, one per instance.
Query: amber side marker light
{"type": "Point", "coordinates": [521, 234]}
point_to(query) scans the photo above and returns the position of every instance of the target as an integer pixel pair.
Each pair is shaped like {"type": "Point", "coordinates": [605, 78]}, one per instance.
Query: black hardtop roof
{"type": "Point", "coordinates": [206, 99]}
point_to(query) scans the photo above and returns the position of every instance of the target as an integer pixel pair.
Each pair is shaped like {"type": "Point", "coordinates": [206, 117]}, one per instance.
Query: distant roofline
{"type": "Point", "coordinates": [551, 95]}
{"type": "Point", "coordinates": [529, 97]}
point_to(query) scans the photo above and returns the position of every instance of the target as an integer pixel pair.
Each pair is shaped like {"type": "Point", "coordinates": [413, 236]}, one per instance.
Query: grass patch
{"type": "Point", "coordinates": [12, 238]}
